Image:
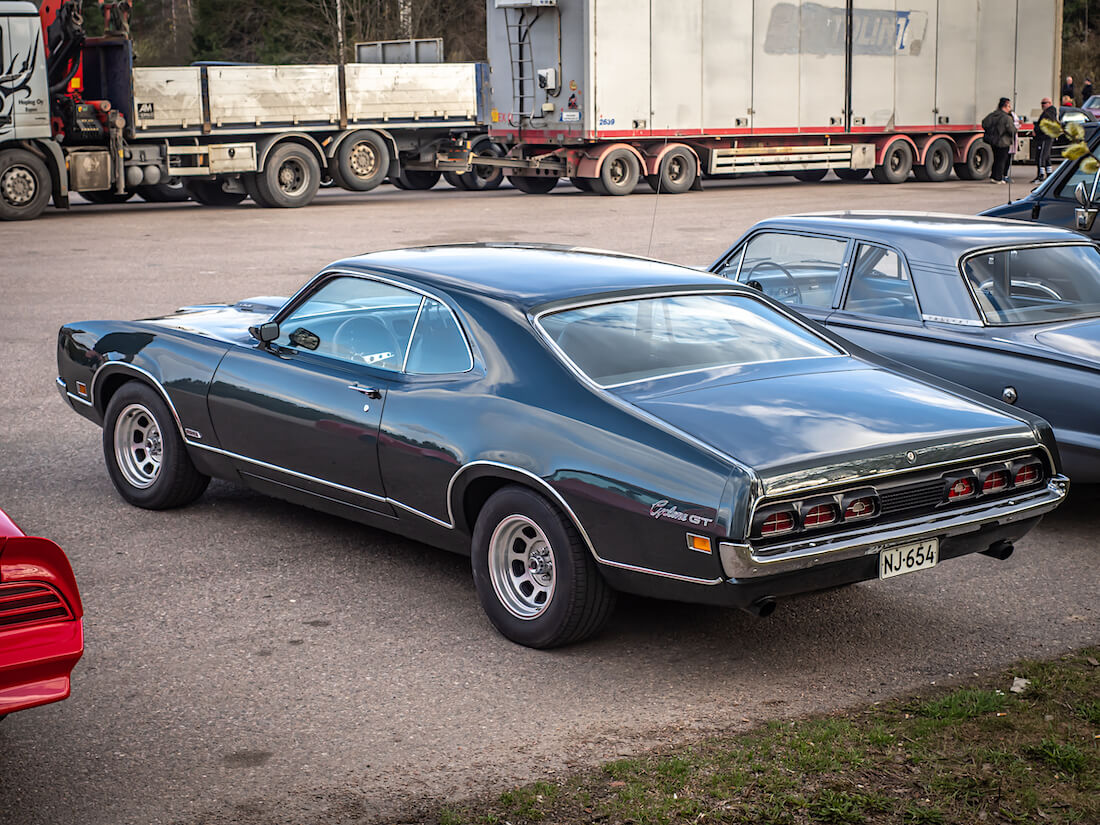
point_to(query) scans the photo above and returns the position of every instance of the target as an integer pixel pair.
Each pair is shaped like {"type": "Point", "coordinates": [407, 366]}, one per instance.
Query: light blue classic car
{"type": "Point", "coordinates": [1009, 309]}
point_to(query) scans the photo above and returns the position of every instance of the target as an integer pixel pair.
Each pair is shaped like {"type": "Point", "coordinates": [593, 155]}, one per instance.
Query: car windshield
{"type": "Point", "coordinates": [1092, 103]}
{"type": "Point", "coordinates": [1025, 286]}
{"type": "Point", "coordinates": [636, 340]}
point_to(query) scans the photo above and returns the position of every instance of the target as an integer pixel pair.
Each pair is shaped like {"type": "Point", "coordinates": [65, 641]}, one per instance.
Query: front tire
{"type": "Point", "coordinates": [535, 578]}
{"type": "Point", "coordinates": [24, 185]}
{"type": "Point", "coordinates": [145, 454]}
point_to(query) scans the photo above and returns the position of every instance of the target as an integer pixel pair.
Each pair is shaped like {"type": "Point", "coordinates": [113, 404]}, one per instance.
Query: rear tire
{"type": "Point", "coordinates": [482, 178]}
{"type": "Point", "coordinates": [25, 185]}
{"type": "Point", "coordinates": [418, 179]}
{"type": "Point", "coordinates": [145, 454]}
{"type": "Point", "coordinates": [851, 174]}
{"type": "Point", "coordinates": [290, 178]}
{"type": "Point", "coordinates": [618, 173]}
{"type": "Point", "coordinates": [978, 164]}
{"type": "Point", "coordinates": [535, 578]}
{"type": "Point", "coordinates": [811, 175]}
{"type": "Point", "coordinates": [676, 174]}
{"type": "Point", "coordinates": [106, 196]}
{"type": "Point", "coordinates": [938, 162]}
{"type": "Point", "coordinates": [169, 191]}
{"type": "Point", "coordinates": [211, 193]}
{"type": "Point", "coordinates": [362, 162]}
{"type": "Point", "coordinates": [533, 185]}
{"type": "Point", "coordinates": [584, 184]}
{"type": "Point", "coordinates": [897, 163]}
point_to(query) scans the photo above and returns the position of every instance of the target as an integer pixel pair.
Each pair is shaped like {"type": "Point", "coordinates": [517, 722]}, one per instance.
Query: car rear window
{"type": "Point", "coordinates": [636, 340]}
{"type": "Point", "coordinates": [1037, 284]}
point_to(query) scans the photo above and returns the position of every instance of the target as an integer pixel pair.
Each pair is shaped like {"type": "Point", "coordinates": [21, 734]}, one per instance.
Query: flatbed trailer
{"type": "Point", "coordinates": [607, 92]}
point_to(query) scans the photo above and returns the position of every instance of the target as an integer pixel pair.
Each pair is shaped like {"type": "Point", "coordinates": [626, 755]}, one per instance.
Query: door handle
{"type": "Point", "coordinates": [369, 392]}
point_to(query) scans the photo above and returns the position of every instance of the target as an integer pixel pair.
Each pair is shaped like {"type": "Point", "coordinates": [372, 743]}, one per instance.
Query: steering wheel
{"type": "Point", "coordinates": [365, 339]}
{"type": "Point", "coordinates": [785, 292]}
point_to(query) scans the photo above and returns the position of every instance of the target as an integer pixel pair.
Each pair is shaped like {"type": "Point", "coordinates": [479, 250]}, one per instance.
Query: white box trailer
{"type": "Point", "coordinates": [760, 85]}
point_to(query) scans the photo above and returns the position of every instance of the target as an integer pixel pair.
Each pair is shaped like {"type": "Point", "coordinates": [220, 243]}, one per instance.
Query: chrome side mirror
{"type": "Point", "coordinates": [1080, 194]}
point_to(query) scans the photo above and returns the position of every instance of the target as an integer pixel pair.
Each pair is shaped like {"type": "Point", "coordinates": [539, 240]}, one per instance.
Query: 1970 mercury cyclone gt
{"type": "Point", "coordinates": [578, 423]}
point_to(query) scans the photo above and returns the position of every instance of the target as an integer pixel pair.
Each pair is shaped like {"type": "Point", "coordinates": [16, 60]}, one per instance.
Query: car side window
{"type": "Point", "coordinates": [356, 320]}
{"type": "Point", "coordinates": [881, 285]}
{"type": "Point", "coordinates": [1078, 176]}
{"type": "Point", "coordinates": [438, 345]}
{"type": "Point", "coordinates": [794, 269]}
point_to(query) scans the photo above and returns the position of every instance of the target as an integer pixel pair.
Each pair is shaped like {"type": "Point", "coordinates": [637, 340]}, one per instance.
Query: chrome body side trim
{"type": "Point", "coordinates": [412, 334]}
{"type": "Point", "coordinates": [739, 561]}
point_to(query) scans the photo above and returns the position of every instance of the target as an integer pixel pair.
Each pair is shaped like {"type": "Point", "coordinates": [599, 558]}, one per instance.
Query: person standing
{"type": "Point", "coordinates": [1000, 131]}
{"type": "Point", "coordinates": [1086, 92]}
{"type": "Point", "coordinates": [1043, 141]}
{"type": "Point", "coordinates": [1067, 90]}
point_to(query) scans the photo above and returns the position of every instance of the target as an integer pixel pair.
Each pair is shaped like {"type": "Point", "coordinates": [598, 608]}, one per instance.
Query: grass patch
{"type": "Point", "coordinates": [976, 753]}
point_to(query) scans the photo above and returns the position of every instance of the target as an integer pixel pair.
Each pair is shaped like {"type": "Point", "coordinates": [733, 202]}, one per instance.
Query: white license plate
{"type": "Point", "coordinates": [908, 558]}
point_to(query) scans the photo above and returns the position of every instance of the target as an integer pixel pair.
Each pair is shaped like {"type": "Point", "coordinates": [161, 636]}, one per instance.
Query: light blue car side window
{"type": "Point", "coordinates": [438, 345]}
{"type": "Point", "coordinates": [795, 269]}
{"type": "Point", "coordinates": [880, 285]}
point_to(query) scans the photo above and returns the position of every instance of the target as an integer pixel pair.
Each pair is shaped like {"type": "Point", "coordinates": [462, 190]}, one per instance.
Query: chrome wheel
{"type": "Point", "coordinates": [521, 567]}
{"type": "Point", "coordinates": [138, 446]}
{"type": "Point", "coordinates": [18, 186]}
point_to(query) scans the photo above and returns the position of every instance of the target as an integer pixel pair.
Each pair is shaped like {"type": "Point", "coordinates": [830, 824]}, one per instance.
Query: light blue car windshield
{"type": "Point", "coordinates": [636, 340]}
{"type": "Point", "coordinates": [1036, 285]}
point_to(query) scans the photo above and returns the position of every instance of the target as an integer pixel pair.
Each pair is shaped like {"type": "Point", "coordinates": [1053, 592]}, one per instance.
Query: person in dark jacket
{"type": "Point", "coordinates": [1086, 91]}
{"type": "Point", "coordinates": [1043, 141]}
{"type": "Point", "coordinates": [1000, 131]}
{"type": "Point", "coordinates": [1067, 89]}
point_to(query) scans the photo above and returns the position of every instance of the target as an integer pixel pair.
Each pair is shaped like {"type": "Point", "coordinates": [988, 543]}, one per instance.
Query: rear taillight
{"type": "Point", "coordinates": [960, 488]}
{"type": "Point", "coordinates": [819, 514]}
{"type": "Point", "coordinates": [1026, 474]}
{"type": "Point", "coordinates": [994, 481]}
{"type": "Point", "coordinates": [778, 523]}
{"type": "Point", "coordinates": [23, 603]}
{"type": "Point", "coordinates": [860, 507]}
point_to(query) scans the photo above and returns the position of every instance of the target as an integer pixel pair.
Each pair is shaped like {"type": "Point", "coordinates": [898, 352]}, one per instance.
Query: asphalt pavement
{"type": "Point", "coordinates": [249, 661]}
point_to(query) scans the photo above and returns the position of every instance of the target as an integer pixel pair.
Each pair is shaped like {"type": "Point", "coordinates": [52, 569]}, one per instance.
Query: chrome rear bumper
{"type": "Point", "coordinates": [742, 561]}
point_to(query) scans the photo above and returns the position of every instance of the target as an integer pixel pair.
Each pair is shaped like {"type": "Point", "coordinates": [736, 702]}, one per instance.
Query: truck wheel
{"type": "Point", "coordinates": [897, 163]}
{"type": "Point", "coordinates": [978, 163]}
{"type": "Point", "coordinates": [811, 175]}
{"type": "Point", "coordinates": [584, 184]}
{"type": "Point", "coordinates": [938, 161]}
{"type": "Point", "coordinates": [24, 185]}
{"type": "Point", "coordinates": [533, 184]}
{"type": "Point", "coordinates": [677, 172]}
{"type": "Point", "coordinates": [481, 178]}
{"type": "Point", "coordinates": [851, 174]}
{"type": "Point", "coordinates": [362, 161]}
{"type": "Point", "coordinates": [290, 177]}
{"type": "Point", "coordinates": [145, 454]}
{"type": "Point", "coordinates": [105, 196]}
{"type": "Point", "coordinates": [535, 579]}
{"type": "Point", "coordinates": [169, 191]}
{"type": "Point", "coordinates": [211, 193]}
{"type": "Point", "coordinates": [418, 178]}
{"type": "Point", "coordinates": [618, 173]}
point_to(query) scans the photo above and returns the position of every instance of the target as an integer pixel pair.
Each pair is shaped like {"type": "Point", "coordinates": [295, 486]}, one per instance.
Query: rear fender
{"type": "Point", "coordinates": [29, 558]}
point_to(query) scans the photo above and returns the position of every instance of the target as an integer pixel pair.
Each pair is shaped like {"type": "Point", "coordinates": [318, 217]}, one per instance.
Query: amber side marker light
{"type": "Point", "coordinates": [698, 543]}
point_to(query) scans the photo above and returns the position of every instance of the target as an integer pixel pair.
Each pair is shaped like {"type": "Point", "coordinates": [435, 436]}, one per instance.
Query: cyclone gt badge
{"type": "Point", "coordinates": [663, 509]}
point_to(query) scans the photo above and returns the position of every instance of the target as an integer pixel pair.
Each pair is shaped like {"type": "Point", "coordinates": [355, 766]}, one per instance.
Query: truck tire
{"type": "Point", "coordinates": [978, 164]}
{"type": "Point", "coordinates": [418, 179]}
{"type": "Point", "coordinates": [851, 174]}
{"type": "Point", "coordinates": [618, 173]}
{"type": "Point", "coordinates": [290, 177]}
{"type": "Point", "coordinates": [584, 184]}
{"type": "Point", "coordinates": [897, 163]}
{"type": "Point", "coordinates": [482, 178]}
{"type": "Point", "coordinates": [532, 184]}
{"type": "Point", "coordinates": [169, 191]}
{"type": "Point", "coordinates": [105, 196]}
{"type": "Point", "coordinates": [25, 186]}
{"type": "Point", "coordinates": [211, 193]}
{"type": "Point", "coordinates": [811, 175]}
{"type": "Point", "coordinates": [362, 161]}
{"type": "Point", "coordinates": [938, 161]}
{"type": "Point", "coordinates": [676, 174]}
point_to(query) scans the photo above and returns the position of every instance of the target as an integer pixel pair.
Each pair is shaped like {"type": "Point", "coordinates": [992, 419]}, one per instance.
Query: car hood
{"type": "Point", "coordinates": [222, 322]}
{"type": "Point", "coordinates": [826, 421]}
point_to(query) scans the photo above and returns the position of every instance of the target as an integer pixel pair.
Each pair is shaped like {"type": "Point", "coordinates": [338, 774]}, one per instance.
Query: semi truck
{"type": "Point", "coordinates": [76, 115]}
{"type": "Point", "coordinates": [610, 92]}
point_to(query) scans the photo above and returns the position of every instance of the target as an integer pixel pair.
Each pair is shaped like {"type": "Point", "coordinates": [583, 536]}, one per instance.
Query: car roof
{"type": "Point", "coordinates": [921, 234]}
{"type": "Point", "coordinates": [527, 275]}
